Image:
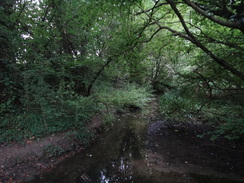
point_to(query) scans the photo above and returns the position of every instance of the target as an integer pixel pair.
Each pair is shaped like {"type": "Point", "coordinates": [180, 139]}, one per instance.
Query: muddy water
{"type": "Point", "coordinates": [121, 155]}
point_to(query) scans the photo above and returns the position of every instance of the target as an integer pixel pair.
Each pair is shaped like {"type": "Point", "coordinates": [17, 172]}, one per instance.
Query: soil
{"type": "Point", "coordinates": [176, 148]}
{"type": "Point", "coordinates": [22, 161]}
{"type": "Point", "coordinates": [170, 148]}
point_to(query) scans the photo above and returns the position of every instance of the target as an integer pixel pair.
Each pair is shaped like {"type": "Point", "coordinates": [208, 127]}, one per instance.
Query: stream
{"type": "Point", "coordinates": [129, 152]}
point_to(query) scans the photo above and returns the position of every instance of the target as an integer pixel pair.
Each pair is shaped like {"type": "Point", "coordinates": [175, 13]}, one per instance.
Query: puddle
{"type": "Point", "coordinates": [122, 156]}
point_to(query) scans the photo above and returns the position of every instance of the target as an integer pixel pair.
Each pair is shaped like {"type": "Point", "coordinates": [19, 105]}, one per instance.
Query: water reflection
{"type": "Point", "coordinates": [103, 177]}
{"type": "Point", "coordinates": [118, 171]}
{"type": "Point", "coordinates": [118, 157]}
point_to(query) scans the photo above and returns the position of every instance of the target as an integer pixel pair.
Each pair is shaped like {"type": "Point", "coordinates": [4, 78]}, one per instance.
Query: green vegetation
{"type": "Point", "coordinates": [62, 62]}
{"type": "Point", "coordinates": [52, 151]}
{"type": "Point", "coordinates": [226, 114]}
{"type": "Point", "coordinates": [122, 99]}
{"type": "Point", "coordinates": [81, 136]}
{"type": "Point", "coordinates": [175, 106]}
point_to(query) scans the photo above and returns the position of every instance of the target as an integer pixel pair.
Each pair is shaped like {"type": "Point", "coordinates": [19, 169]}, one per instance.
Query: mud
{"type": "Point", "coordinates": [137, 149]}
{"type": "Point", "coordinates": [141, 151]}
{"type": "Point", "coordinates": [176, 148]}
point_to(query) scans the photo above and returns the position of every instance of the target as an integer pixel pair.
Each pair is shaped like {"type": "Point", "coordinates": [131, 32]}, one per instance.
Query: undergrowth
{"type": "Point", "coordinates": [49, 112]}
{"type": "Point", "coordinates": [228, 118]}
{"type": "Point", "coordinates": [53, 151]}
{"type": "Point", "coordinates": [81, 136]}
{"type": "Point", "coordinates": [225, 114]}
{"type": "Point", "coordinates": [174, 106]}
{"type": "Point", "coordinates": [72, 114]}
{"type": "Point", "coordinates": [123, 99]}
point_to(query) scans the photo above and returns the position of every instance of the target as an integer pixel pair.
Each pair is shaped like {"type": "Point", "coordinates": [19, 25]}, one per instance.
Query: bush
{"type": "Point", "coordinates": [124, 98]}
{"type": "Point", "coordinates": [108, 119]}
{"type": "Point", "coordinates": [228, 117]}
{"type": "Point", "coordinates": [174, 106]}
{"type": "Point", "coordinates": [53, 151]}
{"type": "Point", "coordinates": [81, 136]}
{"type": "Point", "coordinates": [71, 113]}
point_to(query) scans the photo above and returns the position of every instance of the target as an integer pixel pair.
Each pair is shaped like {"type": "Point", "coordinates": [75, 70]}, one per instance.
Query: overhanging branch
{"type": "Point", "coordinates": [230, 24]}
{"type": "Point", "coordinates": [195, 41]}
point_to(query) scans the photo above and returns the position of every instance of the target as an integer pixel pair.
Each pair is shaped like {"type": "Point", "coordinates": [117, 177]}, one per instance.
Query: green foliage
{"type": "Point", "coordinates": [124, 98]}
{"type": "Point", "coordinates": [53, 51]}
{"type": "Point", "coordinates": [228, 117]}
{"type": "Point", "coordinates": [57, 48]}
{"type": "Point", "coordinates": [176, 106]}
{"type": "Point", "coordinates": [81, 136]}
{"type": "Point", "coordinates": [70, 113]}
{"type": "Point", "coordinates": [53, 151]}
{"type": "Point", "coordinates": [109, 118]}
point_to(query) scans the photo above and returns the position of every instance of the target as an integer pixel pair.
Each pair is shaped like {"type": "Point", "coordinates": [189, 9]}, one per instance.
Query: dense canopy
{"type": "Point", "coordinates": [62, 61]}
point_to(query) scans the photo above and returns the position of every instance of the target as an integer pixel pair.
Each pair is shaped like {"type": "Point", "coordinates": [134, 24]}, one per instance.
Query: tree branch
{"type": "Point", "coordinates": [230, 24]}
{"type": "Point", "coordinates": [109, 60]}
{"type": "Point", "coordinates": [144, 11]}
{"type": "Point", "coordinates": [213, 40]}
{"type": "Point", "coordinates": [175, 33]}
{"type": "Point", "coordinates": [195, 41]}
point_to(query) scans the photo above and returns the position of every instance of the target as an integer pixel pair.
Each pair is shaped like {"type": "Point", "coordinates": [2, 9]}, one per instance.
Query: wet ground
{"type": "Point", "coordinates": [176, 148]}
{"type": "Point", "coordinates": [141, 151]}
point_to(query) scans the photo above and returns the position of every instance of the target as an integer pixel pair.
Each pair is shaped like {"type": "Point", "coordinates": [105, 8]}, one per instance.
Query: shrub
{"type": "Point", "coordinates": [48, 118]}
{"type": "Point", "coordinates": [124, 98]}
{"type": "Point", "coordinates": [228, 117]}
{"type": "Point", "coordinates": [52, 151]}
{"type": "Point", "coordinates": [108, 119]}
{"type": "Point", "coordinates": [175, 106]}
{"type": "Point", "coordinates": [81, 136]}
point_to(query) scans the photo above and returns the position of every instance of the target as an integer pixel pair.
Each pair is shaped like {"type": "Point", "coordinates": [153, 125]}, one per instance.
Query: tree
{"type": "Point", "coordinates": [206, 57]}
{"type": "Point", "coordinates": [194, 34]}
{"type": "Point", "coordinates": [72, 50]}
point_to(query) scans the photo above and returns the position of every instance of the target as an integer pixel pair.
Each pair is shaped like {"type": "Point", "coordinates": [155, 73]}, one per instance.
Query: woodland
{"type": "Point", "coordinates": [64, 61]}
